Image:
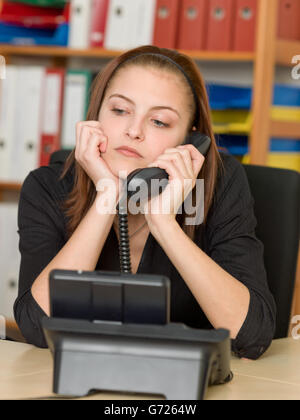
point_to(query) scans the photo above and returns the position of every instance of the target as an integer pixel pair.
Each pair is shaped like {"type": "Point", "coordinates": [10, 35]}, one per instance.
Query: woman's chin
{"type": "Point", "coordinates": [122, 171]}
{"type": "Point", "coordinates": [120, 168]}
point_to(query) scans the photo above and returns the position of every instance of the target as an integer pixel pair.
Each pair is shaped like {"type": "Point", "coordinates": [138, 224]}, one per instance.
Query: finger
{"type": "Point", "coordinates": [87, 141]}
{"type": "Point", "coordinates": [101, 144]}
{"type": "Point", "coordinates": [86, 133]}
{"type": "Point", "coordinates": [178, 161]}
{"type": "Point", "coordinates": [169, 167]}
{"type": "Point", "coordinates": [92, 148]}
{"type": "Point", "coordinates": [186, 155]}
{"type": "Point", "coordinates": [81, 124]}
{"type": "Point", "coordinates": [196, 157]}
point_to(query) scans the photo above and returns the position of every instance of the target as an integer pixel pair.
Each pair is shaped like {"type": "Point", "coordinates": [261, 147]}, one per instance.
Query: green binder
{"type": "Point", "coordinates": [43, 3]}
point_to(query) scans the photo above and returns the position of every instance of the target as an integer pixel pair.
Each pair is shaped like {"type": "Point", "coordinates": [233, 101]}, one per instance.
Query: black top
{"type": "Point", "coordinates": [228, 238]}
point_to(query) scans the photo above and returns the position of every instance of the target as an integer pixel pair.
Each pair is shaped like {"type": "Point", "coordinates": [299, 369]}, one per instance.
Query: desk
{"type": "Point", "coordinates": [26, 372]}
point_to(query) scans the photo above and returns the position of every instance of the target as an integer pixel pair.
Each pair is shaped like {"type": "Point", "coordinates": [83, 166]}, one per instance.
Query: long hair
{"type": "Point", "coordinates": [83, 194]}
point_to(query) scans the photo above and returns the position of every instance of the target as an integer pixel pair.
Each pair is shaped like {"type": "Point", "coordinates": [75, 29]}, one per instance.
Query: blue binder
{"type": "Point", "coordinates": [17, 35]}
{"type": "Point", "coordinates": [238, 145]}
{"type": "Point", "coordinates": [223, 97]}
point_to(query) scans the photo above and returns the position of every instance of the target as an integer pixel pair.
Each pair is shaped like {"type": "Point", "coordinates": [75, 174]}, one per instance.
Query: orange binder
{"type": "Point", "coordinates": [289, 19]}
{"type": "Point", "coordinates": [51, 114]}
{"type": "Point", "coordinates": [245, 25]}
{"type": "Point", "coordinates": [192, 25]}
{"type": "Point", "coordinates": [166, 23]}
{"type": "Point", "coordinates": [220, 25]}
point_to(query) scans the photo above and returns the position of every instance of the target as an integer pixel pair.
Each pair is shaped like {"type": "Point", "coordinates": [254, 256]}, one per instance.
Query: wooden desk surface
{"type": "Point", "coordinates": [26, 372]}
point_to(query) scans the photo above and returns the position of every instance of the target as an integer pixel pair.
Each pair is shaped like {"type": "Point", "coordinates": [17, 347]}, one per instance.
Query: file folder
{"type": "Point", "coordinates": [76, 100]}
{"type": "Point", "coordinates": [44, 3]}
{"type": "Point", "coordinates": [33, 16]}
{"type": "Point", "coordinates": [289, 19]}
{"type": "Point", "coordinates": [193, 25]}
{"type": "Point", "coordinates": [166, 23]}
{"type": "Point", "coordinates": [14, 34]}
{"type": "Point", "coordinates": [118, 24]}
{"type": "Point", "coordinates": [80, 23]}
{"type": "Point", "coordinates": [245, 25]}
{"type": "Point", "coordinates": [51, 114]}
{"type": "Point", "coordinates": [8, 97]}
{"type": "Point", "coordinates": [98, 23]}
{"type": "Point", "coordinates": [220, 25]}
{"type": "Point", "coordinates": [9, 257]}
{"type": "Point", "coordinates": [27, 132]}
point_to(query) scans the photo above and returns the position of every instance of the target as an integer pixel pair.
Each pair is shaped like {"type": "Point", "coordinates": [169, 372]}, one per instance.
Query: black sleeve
{"type": "Point", "coordinates": [40, 239]}
{"type": "Point", "coordinates": [232, 243]}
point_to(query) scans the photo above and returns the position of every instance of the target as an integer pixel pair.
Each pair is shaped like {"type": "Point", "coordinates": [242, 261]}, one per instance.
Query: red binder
{"type": "Point", "coordinates": [220, 25]}
{"type": "Point", "coordinates": [289, 19]}
{"type": "Point", "coordinates": [245, 25]}
{"type": "Point", "coordinates": [33, 16]}
{"type": "Point", "coordinates": [193, 25]}
{"type": "Point", "coordinates": [98, 23]}
{"type": "Point", "coordinates": [166, 23]}
{"type": "Point", "coordinates": [51, 114]}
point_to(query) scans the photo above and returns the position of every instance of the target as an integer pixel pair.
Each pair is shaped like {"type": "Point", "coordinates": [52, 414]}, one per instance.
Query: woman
{"type": "Point", "coordinates": [149, 99]}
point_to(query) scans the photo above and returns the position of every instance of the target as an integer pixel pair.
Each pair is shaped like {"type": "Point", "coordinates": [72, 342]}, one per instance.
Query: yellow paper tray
{"type": "Point", "coordinates": [280, 160]}
{"type": "Point", "coordinates": [240, 121]}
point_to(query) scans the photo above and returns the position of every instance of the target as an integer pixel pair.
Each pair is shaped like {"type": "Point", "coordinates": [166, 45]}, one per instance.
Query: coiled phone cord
{"type": "Point", "coordinates": [124, 246]}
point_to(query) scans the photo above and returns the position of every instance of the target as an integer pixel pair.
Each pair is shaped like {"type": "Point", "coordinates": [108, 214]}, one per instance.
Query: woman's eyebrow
{"type": "Point", "coordinates": [154, 107]}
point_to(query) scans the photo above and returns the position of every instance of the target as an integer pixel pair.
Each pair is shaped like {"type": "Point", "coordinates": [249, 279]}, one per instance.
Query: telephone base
{"type": "Point", "coordinates": [171, 360]}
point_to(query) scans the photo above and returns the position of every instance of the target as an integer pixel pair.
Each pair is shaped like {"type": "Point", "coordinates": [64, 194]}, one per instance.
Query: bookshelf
{"type": "Point", "coordinates": [10, 187]}
{"type": "Point", "coordinates": [269, 52]}
{"type": "Point", "coordinates": [25, 51]}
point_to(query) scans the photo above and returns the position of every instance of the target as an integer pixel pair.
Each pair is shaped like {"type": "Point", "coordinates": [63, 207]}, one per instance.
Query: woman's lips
{"type": "Point", "coordinates": [128, 153]}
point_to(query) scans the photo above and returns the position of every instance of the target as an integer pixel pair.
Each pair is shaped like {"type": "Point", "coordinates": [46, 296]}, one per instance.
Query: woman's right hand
{"type": "Point", "coordinates": [90, 143]}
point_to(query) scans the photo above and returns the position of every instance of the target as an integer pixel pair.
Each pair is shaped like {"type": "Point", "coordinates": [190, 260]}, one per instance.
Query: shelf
{"type": "Point", "coordinates": [18, 50]}
{"type": "Point", "coordinates": [285, 129]}
{"type": "Point", "coordinates": [10, 186]}
{"type": "Point", "coordinates": [286, 50]}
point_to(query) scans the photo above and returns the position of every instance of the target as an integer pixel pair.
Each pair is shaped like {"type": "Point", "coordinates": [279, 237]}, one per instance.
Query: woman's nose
{"type": "Point", "coordinates": [135, 130]}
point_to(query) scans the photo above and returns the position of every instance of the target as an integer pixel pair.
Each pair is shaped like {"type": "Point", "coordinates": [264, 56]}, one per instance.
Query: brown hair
{"type": "Point", "coordinates": [83, 193]}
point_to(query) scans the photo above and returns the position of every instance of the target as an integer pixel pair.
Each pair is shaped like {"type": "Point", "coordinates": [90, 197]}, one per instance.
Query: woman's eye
{"type": "Point", "coordinates": [118, 111]}
{"type": "Point", "coordinates": [160, 123]}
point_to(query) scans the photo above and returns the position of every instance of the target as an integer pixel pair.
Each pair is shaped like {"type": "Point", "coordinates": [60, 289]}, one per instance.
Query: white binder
{"type": "Point", "coordinates": [130, 24]}
{"type": "Point", "coordinates": [142, 24]}
{"type": "Point", "coordinates": [76, 88]}
{"type": "Point", "coordinates": [118, 23]}
{"type": "Point", "coordinates": [80, 23]}
{"type": "Point", "coordinates": [26, 144]}
{"type": "Point", "coordinates": [8, 117]}
{"type": "Point", "coordinates": [10, 258]}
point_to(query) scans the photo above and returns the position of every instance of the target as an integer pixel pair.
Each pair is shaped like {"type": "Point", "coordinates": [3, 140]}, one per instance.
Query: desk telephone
{"type": "Point", "coordinates": [95, 326]}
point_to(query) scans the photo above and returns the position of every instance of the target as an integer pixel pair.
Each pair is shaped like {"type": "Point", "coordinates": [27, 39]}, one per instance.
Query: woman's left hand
{"type": "Point", "coordinates": [183, 165]}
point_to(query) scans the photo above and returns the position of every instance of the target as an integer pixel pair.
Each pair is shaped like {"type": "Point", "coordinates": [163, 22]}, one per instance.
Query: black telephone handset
{"type": "Point", "coordinates": [139, 176]}
{"type": "Point", "coordinates": [136, 182]}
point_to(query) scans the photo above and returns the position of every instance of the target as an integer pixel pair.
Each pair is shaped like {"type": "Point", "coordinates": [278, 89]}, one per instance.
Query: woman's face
{"type": "Point", "coordinates": [144, 109]}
